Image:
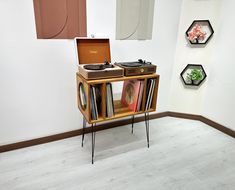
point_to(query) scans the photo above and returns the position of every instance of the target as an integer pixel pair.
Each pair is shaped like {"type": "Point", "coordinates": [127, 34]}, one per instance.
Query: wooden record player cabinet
{"type": "Point", "coordinates": [91, 51]}
{"type": "Point", "coordinates": [119, 109]}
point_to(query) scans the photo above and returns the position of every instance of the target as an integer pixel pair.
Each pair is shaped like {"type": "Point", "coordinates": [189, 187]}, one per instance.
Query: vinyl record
{"type": "Point", "coordinates": [131, 64]}
{"type": "Point", "coordinates": [94, 67]}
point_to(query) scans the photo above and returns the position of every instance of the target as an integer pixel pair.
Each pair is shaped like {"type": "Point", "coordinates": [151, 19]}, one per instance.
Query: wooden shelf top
{"type": "Point", "coordinates": [97, 81]}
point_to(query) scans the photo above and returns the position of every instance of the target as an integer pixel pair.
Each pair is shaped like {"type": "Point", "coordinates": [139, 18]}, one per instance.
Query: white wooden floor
{"type": "Point", "coordinates": [183, 154]}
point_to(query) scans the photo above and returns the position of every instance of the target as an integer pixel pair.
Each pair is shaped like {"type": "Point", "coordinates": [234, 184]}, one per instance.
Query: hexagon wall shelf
{"type": "Point", "coordinates": [199, 32]}
{"type": "Point", "coordinates": [193, 71]}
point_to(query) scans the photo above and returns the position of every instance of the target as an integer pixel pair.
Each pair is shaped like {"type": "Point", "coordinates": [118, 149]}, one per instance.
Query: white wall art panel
{"type": "Point", "coordinates": [134, 19]}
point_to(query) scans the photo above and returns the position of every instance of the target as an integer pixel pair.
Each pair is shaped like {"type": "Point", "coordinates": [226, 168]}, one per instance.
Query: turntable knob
{"type": "Point", "coordinates": [141, 70]}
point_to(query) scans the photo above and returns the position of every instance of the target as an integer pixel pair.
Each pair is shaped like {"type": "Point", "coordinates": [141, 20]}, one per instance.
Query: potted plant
{"type": "Point", "coordinates": [196, 34]}
{"type": "Point", "coordinates": [195, 76]}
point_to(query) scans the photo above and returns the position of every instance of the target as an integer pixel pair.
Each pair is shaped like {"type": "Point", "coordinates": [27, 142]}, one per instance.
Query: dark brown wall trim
{"type": "Point", "coordinates": [42, 140]}
{"type": "Point", "coordinates": [218, 126]}
{"type": "Point", "coordinates": [38, 141]}
{"type": "Point", "coordinates": [205, 120]}
{"type": "Point", "coordinates": [184, 115]}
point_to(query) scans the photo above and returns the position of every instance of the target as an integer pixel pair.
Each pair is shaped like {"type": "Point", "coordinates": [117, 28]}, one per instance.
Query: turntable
{"type": "Point", "coordinates": [139, 67]}
{"type": "Point", "coordinates": [94, 59]}
{"type": "Point", "coordinates": [99, 71]}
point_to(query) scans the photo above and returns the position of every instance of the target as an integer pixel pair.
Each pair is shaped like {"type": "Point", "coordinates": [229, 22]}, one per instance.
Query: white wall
{"type": "Point", "coordinates": [186, 99]}
{"type": "Point", "coordinates": [37, 77]}
{"type": "Point", "coordinates": [215, 97]}
{"type": "Point", "coordinates": [219, 97]}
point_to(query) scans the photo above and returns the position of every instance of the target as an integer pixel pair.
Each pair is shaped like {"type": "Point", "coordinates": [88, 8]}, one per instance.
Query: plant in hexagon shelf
{"type": "Point", "coordinates": [193, 74]}
{"type": "Point", "coordinates": [199, 32]}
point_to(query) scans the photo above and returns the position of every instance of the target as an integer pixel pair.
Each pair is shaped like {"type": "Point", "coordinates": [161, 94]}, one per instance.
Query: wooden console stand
{"type": "Point", "coordinates": [119, 109]}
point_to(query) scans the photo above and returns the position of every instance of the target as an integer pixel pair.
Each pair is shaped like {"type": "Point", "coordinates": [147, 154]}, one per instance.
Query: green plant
{"type": "Point", "coordinates": [195, 75]}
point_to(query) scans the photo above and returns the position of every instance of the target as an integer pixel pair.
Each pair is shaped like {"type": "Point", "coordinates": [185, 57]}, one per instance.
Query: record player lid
{"type": "Point", "coordinates": [92, 50]}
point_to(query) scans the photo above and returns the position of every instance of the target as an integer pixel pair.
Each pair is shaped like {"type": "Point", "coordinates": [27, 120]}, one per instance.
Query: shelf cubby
{"type": "Point", "coordinates": [119, 109]}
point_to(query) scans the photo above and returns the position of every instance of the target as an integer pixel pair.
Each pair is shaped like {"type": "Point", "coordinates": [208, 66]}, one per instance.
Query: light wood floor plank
{"type": "Point", "coordinates": [183, 154]}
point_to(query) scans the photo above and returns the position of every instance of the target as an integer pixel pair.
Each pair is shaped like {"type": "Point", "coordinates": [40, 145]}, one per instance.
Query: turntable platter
{"type": "Point", "coordinates": [99, 71]}
{"type": "Point", "coordinates": [94, 67]}
{"type": "Point", "coordinates": [131, 64]}
{"type": "Point", "coordinates": [98, 66]}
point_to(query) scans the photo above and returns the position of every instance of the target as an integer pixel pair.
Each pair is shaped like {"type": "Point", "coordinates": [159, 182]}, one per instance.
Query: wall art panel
{"type": "Point", "coordinates": [134, 19]}
{"type": "Point", "coordinates": [60, 19]}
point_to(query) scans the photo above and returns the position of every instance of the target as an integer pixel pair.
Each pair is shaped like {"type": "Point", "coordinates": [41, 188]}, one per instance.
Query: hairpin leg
{"type": "Point", "coordinates": [93, 142]}
{"type": "Point", "coordinates": [147, 127]}
{"type": "Point", "coordinates": [133, 118]}
{"type": "Point", "coordinates": [83, 129]}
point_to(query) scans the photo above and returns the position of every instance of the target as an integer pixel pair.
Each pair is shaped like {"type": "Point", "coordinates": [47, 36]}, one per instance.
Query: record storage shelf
{"type": "Point", "coordinates": [120, 111]}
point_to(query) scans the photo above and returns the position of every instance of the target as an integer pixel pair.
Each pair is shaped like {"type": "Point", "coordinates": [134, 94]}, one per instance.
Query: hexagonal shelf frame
{"type": "Point", "coordinates": [200, 34]}
{"type": "Point", "coordinates": [185, 73]}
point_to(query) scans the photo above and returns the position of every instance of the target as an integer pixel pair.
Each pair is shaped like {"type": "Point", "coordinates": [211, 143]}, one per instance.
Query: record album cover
{"type": "Point", "coordinates": [130, 93]}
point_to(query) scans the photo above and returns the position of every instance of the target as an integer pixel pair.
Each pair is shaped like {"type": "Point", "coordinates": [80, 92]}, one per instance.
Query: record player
{"type": "Point", "coordinates": [99, 71]}
{"type": "Point", "coordinates": [139, 67]}
{"type": "Point", "coordinates": [94, 59]}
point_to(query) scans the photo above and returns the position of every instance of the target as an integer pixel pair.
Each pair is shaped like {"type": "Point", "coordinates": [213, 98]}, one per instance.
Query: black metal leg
{"type": "Point", "coordinates": [147, 127]}
{"type": "Point", "coordinates": [133, 118]}
{"type": "Point", "coordinates": [148, 130]}
{"type": "Point", "coordinates": [83, 129]}
{"type": "Point", "coordinates": [93, 142]}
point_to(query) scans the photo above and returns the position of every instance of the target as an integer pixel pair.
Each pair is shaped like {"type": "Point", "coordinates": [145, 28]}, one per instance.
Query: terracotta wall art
{"type": "Point", "coordinates": [60, 19]}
